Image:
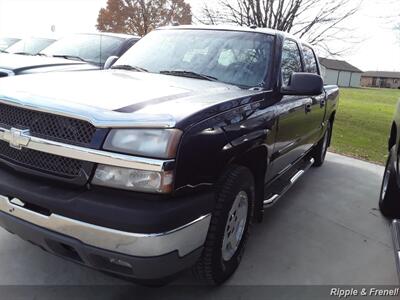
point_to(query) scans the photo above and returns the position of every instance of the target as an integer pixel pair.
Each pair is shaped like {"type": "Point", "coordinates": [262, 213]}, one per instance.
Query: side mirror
{"type": "Point", "coordinates": [304, 84]}
{"type": "Point", "coordinates": [109, 62]}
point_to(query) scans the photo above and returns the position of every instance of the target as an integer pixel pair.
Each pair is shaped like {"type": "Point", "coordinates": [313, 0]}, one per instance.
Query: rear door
{"type": "Point", "coordinates": [318, 105]}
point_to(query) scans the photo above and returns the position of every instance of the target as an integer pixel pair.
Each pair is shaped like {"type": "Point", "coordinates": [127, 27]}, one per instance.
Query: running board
{"type": "Point", "coordinates": [291, 182]}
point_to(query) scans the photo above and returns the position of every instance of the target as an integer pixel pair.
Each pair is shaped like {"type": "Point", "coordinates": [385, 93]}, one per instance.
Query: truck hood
{"type": "Point", "coordinates": [24, 63]}
{"type": "Point", "coordinates": [119, 98]}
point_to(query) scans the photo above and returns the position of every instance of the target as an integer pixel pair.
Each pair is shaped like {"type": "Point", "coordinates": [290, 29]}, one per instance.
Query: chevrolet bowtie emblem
{"type": "Point", "coordinates": [17, 138]}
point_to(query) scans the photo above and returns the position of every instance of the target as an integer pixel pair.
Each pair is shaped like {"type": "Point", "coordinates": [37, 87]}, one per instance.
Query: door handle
{"type": "Point", "coordinates": [308, 107]}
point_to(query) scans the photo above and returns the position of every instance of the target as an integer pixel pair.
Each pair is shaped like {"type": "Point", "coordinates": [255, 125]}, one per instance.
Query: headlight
{"type": "Point", "coordinates": [157, 143]}
{"type": "Point", "coordinates": [135, 180]}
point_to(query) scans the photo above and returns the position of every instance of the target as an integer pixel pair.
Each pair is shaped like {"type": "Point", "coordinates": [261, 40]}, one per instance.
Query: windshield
{"type": "Point", "coordinates": [30, 45]}
{"type": "Point", "coordinates": [239, 58]}
{"type": "Point", "coordinates": [7, 42]}
{"type": "Point", "coordinates": [93, 48]}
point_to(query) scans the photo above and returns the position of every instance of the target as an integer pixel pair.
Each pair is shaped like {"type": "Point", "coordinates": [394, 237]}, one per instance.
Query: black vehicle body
{"type": "Point", "coordinates": [390, 191]}
{"type": "Point", "coordinates": [389, 197]}
{"type": "Point", "coordinates": [13, 64]}
{"type": "Point", "coordinates": [270, 132]}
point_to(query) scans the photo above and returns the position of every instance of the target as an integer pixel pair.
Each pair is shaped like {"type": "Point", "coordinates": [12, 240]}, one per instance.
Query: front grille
{"type": "Point", "coordinates": [40, 161]}
{"type": "Point", "coordinates": [48, 126]}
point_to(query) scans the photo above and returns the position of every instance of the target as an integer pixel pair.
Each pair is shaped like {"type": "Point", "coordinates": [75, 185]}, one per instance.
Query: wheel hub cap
{"type": "Point", "coordinates": [235, 225]}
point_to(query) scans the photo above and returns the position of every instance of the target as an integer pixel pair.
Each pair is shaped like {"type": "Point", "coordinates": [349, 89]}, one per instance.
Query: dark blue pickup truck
{"type": "Point", "coordinates": [164, 161]}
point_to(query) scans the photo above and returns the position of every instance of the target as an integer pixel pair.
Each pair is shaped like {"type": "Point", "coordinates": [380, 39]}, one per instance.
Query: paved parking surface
{"type": "Point", "coordinates": [325, 230]}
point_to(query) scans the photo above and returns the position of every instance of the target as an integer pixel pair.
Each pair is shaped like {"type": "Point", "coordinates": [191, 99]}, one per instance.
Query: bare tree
{"type": "Point", "coordinates": [317, 21]}
{"type": "Point", "coordinates": [141, 16]}
{"type": "Point", "coordinates": [397, 26]}
{"type": "Point", "coordinates": [392, 18]}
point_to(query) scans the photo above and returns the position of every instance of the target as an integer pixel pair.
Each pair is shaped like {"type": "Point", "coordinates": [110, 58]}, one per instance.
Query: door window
{"type": "Point", "coordinates": [291, 60]}
{"type": "Point", "coordinates": [310, 63]}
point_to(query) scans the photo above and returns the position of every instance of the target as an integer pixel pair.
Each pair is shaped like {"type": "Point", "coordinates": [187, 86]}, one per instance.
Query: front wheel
{"type": "Point", "coordinates": [229, 227]}
{"type": "Point", "coordinates": [319, 152]}
{"type": "Point", "coordinates": [389, 201]}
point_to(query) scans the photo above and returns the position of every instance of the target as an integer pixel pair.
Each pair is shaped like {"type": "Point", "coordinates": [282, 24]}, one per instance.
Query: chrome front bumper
{"type": "Point", "coordinates": [184, 239]}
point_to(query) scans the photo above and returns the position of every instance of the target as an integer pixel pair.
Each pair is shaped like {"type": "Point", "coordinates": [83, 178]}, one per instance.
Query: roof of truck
{"type": "Point", "coordinates": [236, 28]}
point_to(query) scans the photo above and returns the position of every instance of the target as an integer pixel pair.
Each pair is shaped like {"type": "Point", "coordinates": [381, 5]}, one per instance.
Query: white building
{"type": "Point", "coordinates": [340, 72]}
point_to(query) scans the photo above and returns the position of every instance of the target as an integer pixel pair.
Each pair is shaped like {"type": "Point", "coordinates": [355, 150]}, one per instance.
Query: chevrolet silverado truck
{"type": "Point", "coordinates": [162, 162]}
{"type": "Point", "coordinates": [77, 52]}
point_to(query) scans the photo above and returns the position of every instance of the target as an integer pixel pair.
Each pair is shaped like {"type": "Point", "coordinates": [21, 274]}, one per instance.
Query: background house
{"type": "Point", "coordinates": [381, 79]}
{"type": "Point", "coordinates": [340, 72]}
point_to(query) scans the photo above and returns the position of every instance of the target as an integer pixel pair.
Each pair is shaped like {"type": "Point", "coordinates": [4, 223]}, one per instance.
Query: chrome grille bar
{"type": "Point", "coordinates": [24, 140]}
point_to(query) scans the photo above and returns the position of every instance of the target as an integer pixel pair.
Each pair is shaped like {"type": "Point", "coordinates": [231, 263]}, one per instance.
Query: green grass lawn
{"type": "Point", "coordinates": [363, 122]}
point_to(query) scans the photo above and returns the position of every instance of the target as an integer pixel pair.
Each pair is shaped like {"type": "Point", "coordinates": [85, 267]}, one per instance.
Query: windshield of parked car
{"type": "Point", "coordinates": [234, 57]}
{"type": "Point", "coordinates": [30, 46]}
{"type": "Point", "coordinates": [92, 48]}
{"type": "Point", "coordinates": [7, 42]}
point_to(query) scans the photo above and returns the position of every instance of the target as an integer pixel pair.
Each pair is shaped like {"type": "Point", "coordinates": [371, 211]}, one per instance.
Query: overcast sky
{"type": "Point", "coordinates": [379, 49]}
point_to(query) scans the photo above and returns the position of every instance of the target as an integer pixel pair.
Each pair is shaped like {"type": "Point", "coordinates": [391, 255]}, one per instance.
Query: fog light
{"type": "Point", "coordinates": [132, 179]}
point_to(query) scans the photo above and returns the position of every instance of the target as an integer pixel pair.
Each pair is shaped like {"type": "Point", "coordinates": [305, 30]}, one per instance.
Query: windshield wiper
{"type": "Point", "coordinates": [23, 53]}
{"type": "Point", "coordinates": [70, 57]}
{"type": "Point", "coordinates": [129, 68]}
{"type": "Point", "coordinates": [3, 51]}
{"type": "Point", "coordinates": [189, 74]}
{"type": "Point", "coordinates": [40, 54]}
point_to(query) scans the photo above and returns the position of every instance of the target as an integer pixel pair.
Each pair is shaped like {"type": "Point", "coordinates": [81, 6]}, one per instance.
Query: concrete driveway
{"type": "Point", "coordinates": [326, 230]}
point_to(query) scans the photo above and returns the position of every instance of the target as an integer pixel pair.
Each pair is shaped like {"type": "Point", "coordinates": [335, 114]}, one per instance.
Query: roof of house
{"type": "Point", "coordinates": [381, 74]}
{"type": "Point", "coordinates": [339, 65]}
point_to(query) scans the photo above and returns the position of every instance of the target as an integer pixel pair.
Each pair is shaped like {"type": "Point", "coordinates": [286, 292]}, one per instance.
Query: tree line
{"type": "Point", "coordinates": [317, 21]}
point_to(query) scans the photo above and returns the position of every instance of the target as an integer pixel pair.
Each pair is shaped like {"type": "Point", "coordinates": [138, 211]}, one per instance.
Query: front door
{"type": "Point", "coordinates": [291, 138]}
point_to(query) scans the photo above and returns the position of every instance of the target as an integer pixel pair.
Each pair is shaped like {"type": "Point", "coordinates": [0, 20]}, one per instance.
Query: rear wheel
{"type": "Point", "coordinates": [389, 201]}
{"type": "Point", "coordinates": [229, 228]}
{"type": "Point", "coordinates": [319, 152]}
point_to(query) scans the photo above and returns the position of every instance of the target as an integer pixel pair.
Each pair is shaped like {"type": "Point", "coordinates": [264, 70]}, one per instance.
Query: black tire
{"type": "Point", "coordinates": [212, 268]}
{"type": "Point", "coordinates": [389, 201]}
{"type": "Point", "coordinates": [319, 152]}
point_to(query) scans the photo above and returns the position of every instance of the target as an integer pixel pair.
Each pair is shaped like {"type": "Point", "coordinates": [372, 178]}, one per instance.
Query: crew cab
{"type": "Point", "coordinates": [76, 52]}
{"type": "Point", "coordinates": [162, 162]}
